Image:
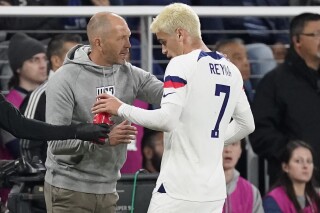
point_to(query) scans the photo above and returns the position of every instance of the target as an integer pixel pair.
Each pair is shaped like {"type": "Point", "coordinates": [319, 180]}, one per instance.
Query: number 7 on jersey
{"type": "Point", "coordinates": [220, 89]}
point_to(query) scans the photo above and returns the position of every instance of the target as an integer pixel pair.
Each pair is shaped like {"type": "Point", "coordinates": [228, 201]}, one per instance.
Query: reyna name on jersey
{"type": "Point", "coordinates": [219, 69]}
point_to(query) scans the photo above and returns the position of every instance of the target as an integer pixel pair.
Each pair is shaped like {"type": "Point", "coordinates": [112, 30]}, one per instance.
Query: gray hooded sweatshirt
{"type": "Point", "coordinates": [81, 165]}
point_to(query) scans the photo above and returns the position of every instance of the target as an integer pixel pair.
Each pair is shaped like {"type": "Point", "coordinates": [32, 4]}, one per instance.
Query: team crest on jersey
{"type": "Point", "coordinates": [108, 89]}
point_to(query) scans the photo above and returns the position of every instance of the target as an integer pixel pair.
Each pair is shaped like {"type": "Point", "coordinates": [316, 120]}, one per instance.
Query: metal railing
{"type": "Point", "coordinates": [146, 13]}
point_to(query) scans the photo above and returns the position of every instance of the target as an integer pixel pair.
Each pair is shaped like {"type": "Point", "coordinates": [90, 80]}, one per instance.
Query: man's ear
{"type": "Point", "coordinates": [55, 61]}
{"type": "Point", "coordinates": [296, 40]}
{"type": "Point", "coordinates": [97, 43]}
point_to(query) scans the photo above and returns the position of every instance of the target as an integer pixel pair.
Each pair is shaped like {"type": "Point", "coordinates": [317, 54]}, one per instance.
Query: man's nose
{"type": "Point", "coordinates": [164, 50]}
{"type": "Point", "coordinates": [43, 63]}
{"type": "Point", "coordinates": [227, 149]}
{"type": "Point", "coordinates": [128, 44]}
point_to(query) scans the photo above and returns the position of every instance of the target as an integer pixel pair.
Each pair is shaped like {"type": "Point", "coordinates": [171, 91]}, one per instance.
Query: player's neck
{"type": "Point", "coordinates": [197, 44]}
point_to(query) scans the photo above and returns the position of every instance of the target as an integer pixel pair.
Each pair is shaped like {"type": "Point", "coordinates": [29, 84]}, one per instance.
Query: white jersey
{"type": "Point", "coordinates": [209, 90]}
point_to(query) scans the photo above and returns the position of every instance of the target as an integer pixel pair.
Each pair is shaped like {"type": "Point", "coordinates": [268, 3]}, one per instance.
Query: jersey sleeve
{"type": "Point", "coordinates": [242, 104]}
{"type": "Point", "coordinates": [242, 123]}
{"type": "Point", "coordinates": [164, 119]}
{"type": "Point", "coordinates": [175, 82]}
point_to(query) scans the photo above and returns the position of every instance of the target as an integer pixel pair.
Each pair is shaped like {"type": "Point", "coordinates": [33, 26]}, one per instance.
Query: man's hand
{"type": "Point", "coordinates": [122, 133]}
{"type": "Point", "coordinates": [106, 103]}
{"type": "Point", "coordinates": [91, 132]}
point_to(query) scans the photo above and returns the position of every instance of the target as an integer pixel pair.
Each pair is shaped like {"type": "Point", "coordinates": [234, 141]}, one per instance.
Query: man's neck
{"type": "Point", "coordinates": [95, 58]}
{"type": "Point", "coordinates": [196, 44]}
{"type": "Point", "coordinates": [29, 86]}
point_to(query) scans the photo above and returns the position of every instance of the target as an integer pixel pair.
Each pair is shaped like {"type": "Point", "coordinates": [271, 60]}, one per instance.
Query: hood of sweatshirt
{"type": "Point", "coordinates": [79, 54]}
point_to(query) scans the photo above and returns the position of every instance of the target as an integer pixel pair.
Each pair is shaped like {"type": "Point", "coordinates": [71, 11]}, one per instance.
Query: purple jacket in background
{"type": "Point", "coordinates": [241, 199]}
{"type": "Point", "coordinates": [278, 199]}
{"type": "Point", "coordinates": [242, 196]}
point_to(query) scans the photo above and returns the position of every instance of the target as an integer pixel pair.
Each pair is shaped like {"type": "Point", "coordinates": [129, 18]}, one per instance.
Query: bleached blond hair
{"type": "Point", "coordinates": [174, 16]}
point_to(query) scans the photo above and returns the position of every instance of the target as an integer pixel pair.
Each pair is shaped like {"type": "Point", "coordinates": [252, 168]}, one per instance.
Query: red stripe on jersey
{"type": "Point", "coordinates": [171, 84]}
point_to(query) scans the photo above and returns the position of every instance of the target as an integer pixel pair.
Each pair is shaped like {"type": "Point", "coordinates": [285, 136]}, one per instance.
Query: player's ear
{"type": "Point", "coordinates": [179, 33]}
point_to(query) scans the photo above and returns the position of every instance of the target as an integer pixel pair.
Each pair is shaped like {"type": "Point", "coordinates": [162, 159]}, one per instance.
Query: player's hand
{"type": "Point", "coordinates": [106, 103]}
{"type": "Point", "coordinates": [122, 133]}
{"type": "Point", "coordinates": [91, 132]}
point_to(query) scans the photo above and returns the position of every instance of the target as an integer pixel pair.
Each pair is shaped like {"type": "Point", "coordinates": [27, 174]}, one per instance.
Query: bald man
{"type": "Point", "coordinates": [81, 176]}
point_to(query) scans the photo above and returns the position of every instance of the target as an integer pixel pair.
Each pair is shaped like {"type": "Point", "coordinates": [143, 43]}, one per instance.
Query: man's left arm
{"type": "Point", "coordinates": [150, 88]}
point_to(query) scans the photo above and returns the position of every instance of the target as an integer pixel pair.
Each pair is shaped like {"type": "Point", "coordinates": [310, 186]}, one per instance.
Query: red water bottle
{"type": "Point", "coordinates": [102, 118]}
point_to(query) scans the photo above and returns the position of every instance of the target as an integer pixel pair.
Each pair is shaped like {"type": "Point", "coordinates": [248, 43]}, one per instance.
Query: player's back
{"type": "Point", "coordinates": [213, 87]}
{"type": "Point", "coordinates": [207, 87]}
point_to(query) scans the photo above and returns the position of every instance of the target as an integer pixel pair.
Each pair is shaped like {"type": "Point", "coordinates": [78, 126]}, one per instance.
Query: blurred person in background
{"type": "Point", "coordinates": [287, 100]}
{"type": "Point", "coordinates": [295, 189]}
{"type": "Point", "coordinates": [152, 150]}
{"type": "Point", "coordinates": [28, 63]}
{"type": "Point", "coordinates": [242, 196]}
{"type": "Point", "coordinates": [34, 104]}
